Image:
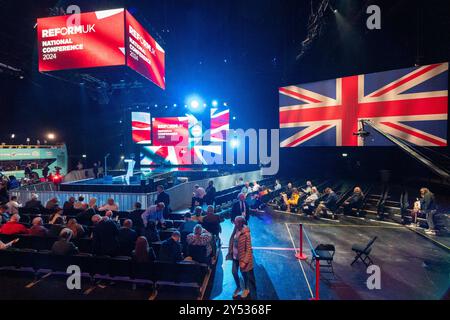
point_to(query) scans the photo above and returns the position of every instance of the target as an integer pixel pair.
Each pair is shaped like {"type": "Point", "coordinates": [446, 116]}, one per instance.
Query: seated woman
{"type": "Point", "coordinates": [142, 252]}
{"type": "Point", "coordinates": [292, 201]}
{"type": "Point", "coordinates": [200, 237]}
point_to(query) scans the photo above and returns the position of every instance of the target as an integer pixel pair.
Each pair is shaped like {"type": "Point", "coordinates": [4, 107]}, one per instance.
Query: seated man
{"type": "Point", "coordinates": [277, 185]}
{"type": "Point", "coordinates": [309, 204]}
{"type": "Point", "coordinates": [354, 201]}
{"type": "Point", "coordinates": [127, 238]}
{"type": "Point", "coordinates": [63, 246]}
{"type": "Point", "coordinates": [34, 203]}
{"type": "Point", "coordinates": [171, 250]}
{"type": "Point", "coordinates": [211, 222]}
{"type": "Point", "coordinates": [38, 228]}
{"type": "Point", "coordinates": [110, 205]}
{"type": "Point", "coordinates": [13, 226]}
{"type": "Point", "coordinates": [308, 189]}
{"type": "Point", "coordinates": [200, 237]}
{"type": "Point", "coordinates": [292, 200]}
{"type": "Point", "coordinates": [329, 203]}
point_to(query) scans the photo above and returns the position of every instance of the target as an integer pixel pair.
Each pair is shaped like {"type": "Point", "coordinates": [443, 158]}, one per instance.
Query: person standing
{"type": "Point", "coordinates": [210, 196]}
{"type": "Point", "coordinates": [240, 208]}
{"type": "Point", "coordinates": [428, 207]}
{"type": "Point", "coordinates": [240, 252]}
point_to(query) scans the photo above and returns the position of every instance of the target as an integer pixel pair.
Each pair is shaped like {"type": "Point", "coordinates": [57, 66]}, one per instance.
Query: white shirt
{"type": "Point", "coordinates": [277, 187]}
{"type": "Point", "coordinates": [256, 188]}
{"type": "Point", "coordinates": [313, 197]}
{"type": "Point", "coordinates": [199, 193]}
{"type": "Point", "coordinates": [13, 207]}
{"type": "Point", "coordinates": [107, 207]}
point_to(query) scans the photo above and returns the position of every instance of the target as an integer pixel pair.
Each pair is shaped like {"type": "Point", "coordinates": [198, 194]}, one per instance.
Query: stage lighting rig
{"type": "Point", "coordinates": [316, 23]}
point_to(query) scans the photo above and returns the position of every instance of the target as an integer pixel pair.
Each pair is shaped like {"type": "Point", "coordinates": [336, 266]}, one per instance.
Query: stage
{"type": "Point", "coordinates": [143, 181]}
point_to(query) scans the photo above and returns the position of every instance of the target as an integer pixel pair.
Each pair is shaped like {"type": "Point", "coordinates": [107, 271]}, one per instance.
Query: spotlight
{"type": "Point", "coordinates": [13, 136]}
{"type": "Point", "coordinates": [174, 105]}
{"type": "Point", "coordinates": [51, 136]}
{"type": "Point", "coordinates": [84, 156]}
{"type": "Point", "coordinates": [195, 104]}
{"type": "Point", "coordinates": [225, 104]}
{"type": "Point", "coordinates": [215, 103]}
{"type": "Point", "coordinates": [234, 118]}
{"type": "Point", "coordinates": [122, 157]}
{"type": "Point", "coordinates": [345, 155]}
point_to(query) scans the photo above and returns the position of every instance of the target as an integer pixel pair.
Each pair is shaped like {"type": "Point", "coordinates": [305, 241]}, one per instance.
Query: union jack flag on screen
{"type": "Point", "coordinates": [410, 104]}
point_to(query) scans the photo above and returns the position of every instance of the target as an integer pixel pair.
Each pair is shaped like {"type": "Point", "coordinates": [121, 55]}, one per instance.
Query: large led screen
{"type": "Point", "coordinates": [172, 131]}
{"type": "Point", "coordinates": [97, 41]}
{"type": "Point", "coordinates": [144, 54]}
{"type": "Point", "coordinates": [141, 127]}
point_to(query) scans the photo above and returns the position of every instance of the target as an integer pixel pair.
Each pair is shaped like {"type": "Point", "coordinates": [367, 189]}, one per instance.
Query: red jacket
{"type": "Point", "coordinates": [13, 228]}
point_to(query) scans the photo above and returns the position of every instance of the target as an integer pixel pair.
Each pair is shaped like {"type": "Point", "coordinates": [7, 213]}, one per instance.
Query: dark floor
{"type": "Point", "coordinates": [412, 266]}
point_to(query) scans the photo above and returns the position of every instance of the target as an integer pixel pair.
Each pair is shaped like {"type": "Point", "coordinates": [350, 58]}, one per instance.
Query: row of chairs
{"type": "Point", "coordinates": [190, 274]}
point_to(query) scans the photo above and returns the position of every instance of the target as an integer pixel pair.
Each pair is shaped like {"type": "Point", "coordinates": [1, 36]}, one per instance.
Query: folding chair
{"type": "Point", "coordinates": [363, 252]}
{"type": "Point", "coordinates": [324, 252]}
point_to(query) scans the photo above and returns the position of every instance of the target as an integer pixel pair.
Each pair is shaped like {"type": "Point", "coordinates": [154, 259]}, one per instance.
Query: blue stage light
{"type": "Point", "coordinates": [215, 103]}
{"type": "Point", "coordinates": [195, 104]}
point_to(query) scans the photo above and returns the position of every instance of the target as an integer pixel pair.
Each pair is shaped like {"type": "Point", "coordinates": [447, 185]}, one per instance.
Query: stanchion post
{"type": "Point", "coordinates": [300, 255]}
{"type": "Point", "coordinates": [317, 285]}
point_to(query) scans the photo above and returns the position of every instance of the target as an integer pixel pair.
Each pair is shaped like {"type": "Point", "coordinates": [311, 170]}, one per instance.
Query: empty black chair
{"type": "Point", "coordinates": [101, 265]}
{"type": "Point", "coordinates": [191, 273]}
{"type": "Point", "coordinates": [165, 272]}
{"type": "Point", "coordinates": [120, 267]}
{"type": "Point", "coordinates": [324, 252]}
{"type": "Point", "coordinates": [7, 257]}
{"type": "Point", "coordinates": [142, 271]}
{"type": "Point", "coordinates": [25, 258]}
{"type": "Point", "coordinates": [363, 252]}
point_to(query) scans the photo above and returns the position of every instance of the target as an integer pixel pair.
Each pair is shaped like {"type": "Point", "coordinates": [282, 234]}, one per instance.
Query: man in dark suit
{"type": "Point", "coordinates": [210, 196]}
{"type": "Point", "coordinates": [164, 198]}
{"type": "Point", "coordinates": [105, 237]}
{"type": "Point", "coordinates": [240, 208]}
{"type": "Point", "coordinates": [34, 203]}
{"type": "Point", "coordinates": [136, 217]}
{"type": "Point", "coordinates": [127, 238]}
{"type": "Point", "coordinates": [171, 250]}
